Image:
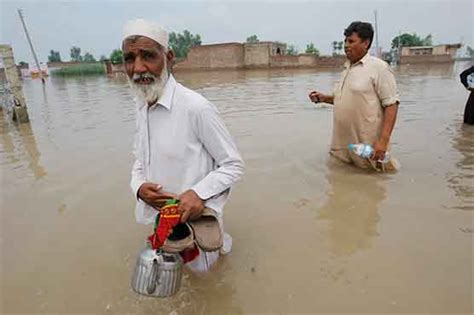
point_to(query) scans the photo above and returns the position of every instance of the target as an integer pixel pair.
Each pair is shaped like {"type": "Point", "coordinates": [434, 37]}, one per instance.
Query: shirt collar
{"type": "Point", "coordinates": [365, 58]}
{"type": "Point", "coordinates": [166, 98]}
{"type": "Point", "coordinates": [362, 61]}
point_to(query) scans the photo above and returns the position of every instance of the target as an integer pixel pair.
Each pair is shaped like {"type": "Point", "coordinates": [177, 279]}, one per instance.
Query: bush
{"type": "Point", "coordinates": [80, 69]}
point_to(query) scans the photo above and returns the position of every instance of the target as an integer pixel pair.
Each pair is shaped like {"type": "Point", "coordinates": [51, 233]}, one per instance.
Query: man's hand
{"type": "Point", "coordinates": [153, 195]}
{"type": "Point", "coordinates": [316, 97]}
{"type": "Point", "coordinates": [380, 148]}
{"type": "Point", "coordinates": [190, 205]}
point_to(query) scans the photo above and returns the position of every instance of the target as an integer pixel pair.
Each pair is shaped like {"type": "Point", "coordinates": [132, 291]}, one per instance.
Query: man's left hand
{"type": "Point", "coordinates": [190, 205]}
{"type": "Point", "coordinates": [380, 147]}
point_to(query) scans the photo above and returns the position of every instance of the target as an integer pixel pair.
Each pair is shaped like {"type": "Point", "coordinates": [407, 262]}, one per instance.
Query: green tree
{"type": "Point", "coordinates": [406, 39]}
{"type": "Point", "coordinates": [310, 49]}
{"type": "Point", "coordinates": [54, 56]}
{"type": "Point", "coordinates": [252, 39]}
{"type": "Point", "coordinates": [88, 58]}
{"type": "Point", "coordinates": [340, 46]}
{"type": "Point", "coordinates": [428, 40]}
{"type": "Point", "coordinates": [181, 43]}
{"type": "Point", "coordinates": [337, 48]}
{"type": "Point", "coordinates": [76, 53]}
{"type": "Point", "coordinates": [116, 57]}
{"type": "Point", "coordinates": [291, 50]}
{"type": "Point", "coordinates": [103, 58]}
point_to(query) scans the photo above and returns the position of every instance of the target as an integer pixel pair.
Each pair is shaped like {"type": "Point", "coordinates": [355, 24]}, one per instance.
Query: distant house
{"type": "Point", "coordinates": [251, 56]}
{"type": "Point", "coordinates": [423, 54]}
{"type": "Point", "coordinates": [232, 55]}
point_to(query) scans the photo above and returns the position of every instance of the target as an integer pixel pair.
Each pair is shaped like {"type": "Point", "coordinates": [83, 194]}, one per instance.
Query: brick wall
{"type": "Point", "coordinates": [306, 61]}
{"type": "Point", "coordinates": [216, 56]}
{"type": "Point", "coordinates": [426, 59]}
{"type": "Point", "coordinates": [257, 55]}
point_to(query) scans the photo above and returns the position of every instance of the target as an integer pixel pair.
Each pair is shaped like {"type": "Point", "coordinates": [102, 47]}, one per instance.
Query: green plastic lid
{"type": "Point", "coordinates": [172, 202]}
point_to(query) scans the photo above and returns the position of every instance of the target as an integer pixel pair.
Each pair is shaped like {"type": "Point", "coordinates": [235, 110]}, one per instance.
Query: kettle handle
{"type": "Point", "coordinates": [153, 280]}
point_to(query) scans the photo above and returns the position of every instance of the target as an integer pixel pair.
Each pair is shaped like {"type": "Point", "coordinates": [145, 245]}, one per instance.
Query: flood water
{"type": "Point", "coordinates": [310, 235]}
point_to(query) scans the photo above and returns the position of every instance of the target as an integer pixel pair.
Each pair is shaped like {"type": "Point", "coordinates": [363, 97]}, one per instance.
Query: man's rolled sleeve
{"type": "Point", "coordinates": [386, 87]}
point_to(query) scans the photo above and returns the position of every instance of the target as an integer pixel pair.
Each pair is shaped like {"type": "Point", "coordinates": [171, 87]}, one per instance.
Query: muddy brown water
{"type": "Point", "coordinates": [310, 235]}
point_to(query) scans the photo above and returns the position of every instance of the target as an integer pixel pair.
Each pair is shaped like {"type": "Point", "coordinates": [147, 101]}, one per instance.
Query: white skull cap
{"type": "Point", "coordinates": [141, 27]}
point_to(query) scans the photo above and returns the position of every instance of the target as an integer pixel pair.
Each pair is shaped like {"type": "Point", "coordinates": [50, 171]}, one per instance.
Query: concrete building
{"type": "Point", "coordinates": [251, 56]}
{"type": "Point", "coordinates": [429, 54]}
{"type": "Point", "coordinates": [214, 56]}
{"type": "Point", "coordinates": [259, 54]}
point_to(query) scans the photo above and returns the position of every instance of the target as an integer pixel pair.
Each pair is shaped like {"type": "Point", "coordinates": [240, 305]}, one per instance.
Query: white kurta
{"type": "Point", "coordinates": [181, 143]}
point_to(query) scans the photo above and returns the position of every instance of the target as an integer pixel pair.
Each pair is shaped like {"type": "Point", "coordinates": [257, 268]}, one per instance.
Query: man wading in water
{"type": "Point", "coordinates": [365, 101]}
{"type": "Point", "coordinates": [182, 149]}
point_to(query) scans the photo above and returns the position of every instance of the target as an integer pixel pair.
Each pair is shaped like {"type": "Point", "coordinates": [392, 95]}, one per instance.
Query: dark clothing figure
{"type": "Point", "coordinates": [469, 110]}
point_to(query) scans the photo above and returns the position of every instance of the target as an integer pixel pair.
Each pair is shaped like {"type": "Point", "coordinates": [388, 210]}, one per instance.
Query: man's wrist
{"type": "Point", "coordinates": [384, 140]}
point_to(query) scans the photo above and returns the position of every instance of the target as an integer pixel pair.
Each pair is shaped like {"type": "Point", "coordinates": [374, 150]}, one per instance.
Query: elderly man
{"type": "Point", "coordinates": [182, 147]}
{"type": "Point", "coordinates": [365, 101]}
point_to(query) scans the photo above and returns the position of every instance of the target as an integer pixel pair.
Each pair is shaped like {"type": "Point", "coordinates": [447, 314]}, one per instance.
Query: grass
{"type": "Point", "coordinates": [80, 70]}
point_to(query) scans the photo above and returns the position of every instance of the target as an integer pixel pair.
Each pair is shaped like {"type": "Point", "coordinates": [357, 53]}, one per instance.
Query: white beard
{"type": "Point", "coordinates": [150, 93]}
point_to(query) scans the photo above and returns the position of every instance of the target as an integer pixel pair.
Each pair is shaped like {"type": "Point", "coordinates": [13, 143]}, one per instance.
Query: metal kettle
{"type": "Point", "coordinates": [157, 273]}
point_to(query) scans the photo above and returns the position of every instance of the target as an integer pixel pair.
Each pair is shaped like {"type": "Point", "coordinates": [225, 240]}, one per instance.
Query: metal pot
{"type": "Point", "coordinates": [157, 273]}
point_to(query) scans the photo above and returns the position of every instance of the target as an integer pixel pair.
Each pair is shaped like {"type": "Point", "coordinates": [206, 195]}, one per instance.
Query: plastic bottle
{"type": "Point", "coordinates": [470, 80]}
{"type": "Point", "coordinates": [365, 151]}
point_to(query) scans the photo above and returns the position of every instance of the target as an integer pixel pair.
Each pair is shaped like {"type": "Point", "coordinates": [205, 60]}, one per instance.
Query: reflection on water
{"type": "Point", "coordinates": [424, 72]}
{"type": "Point", "coordinates": [461, 179]}
{"type": "Point", "coordinates": [69, 246]}
{"type": "Point", "coordinates": [18, 145]}
{"type": "Point", "coordinates": [351, 208]}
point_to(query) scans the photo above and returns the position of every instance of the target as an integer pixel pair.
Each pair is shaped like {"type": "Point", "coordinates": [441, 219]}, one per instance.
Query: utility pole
{"type": "Point", "coordinates": [376, 34]}
{"type": "Point", "coordinates": [31, 45]}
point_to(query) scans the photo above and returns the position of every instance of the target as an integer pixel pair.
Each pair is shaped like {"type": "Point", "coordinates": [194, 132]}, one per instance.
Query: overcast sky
{"type": "Point", "coordinates": [96, 26]}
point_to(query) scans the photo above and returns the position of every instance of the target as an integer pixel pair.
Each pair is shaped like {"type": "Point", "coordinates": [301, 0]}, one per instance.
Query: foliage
{"type": "Point", "coordinates": [181, 43]}
{"type": "Point", "coordinates": [337, 48]}
{"type": "Point", "coordinates": [116, 57]}
{"type": "Point", "coordinates": [291, 50]}
{"type": "Point", "coordinates": [406, 39]}
{"type": "Point", "coordinates": [310, 49]}
{"type": "Point", "coordinates": [88, 58]}
{"type": "Point", "coordinates": [76, 54]}
{"type": "Point", "coordinates": [54, 56]}
{"type": "Point", "coordinates": [252, 39]}
{"type": "Point", "coordinates": [80, 69]}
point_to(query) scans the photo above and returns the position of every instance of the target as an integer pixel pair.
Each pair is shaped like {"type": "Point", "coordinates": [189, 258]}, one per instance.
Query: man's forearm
{"type": "Point", "coordinates": [389, 118]}
{"type": "Point", "coordinates": [328, 99]}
